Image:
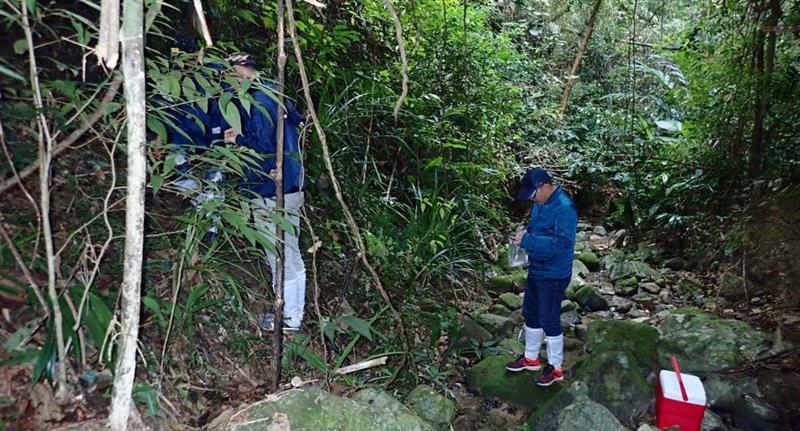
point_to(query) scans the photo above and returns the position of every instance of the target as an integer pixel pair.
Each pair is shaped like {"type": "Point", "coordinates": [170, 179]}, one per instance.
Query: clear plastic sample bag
{"type": "Point", "coordinates": [517, 256]}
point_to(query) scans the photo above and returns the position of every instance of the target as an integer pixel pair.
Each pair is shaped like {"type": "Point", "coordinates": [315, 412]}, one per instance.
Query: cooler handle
{"type": "Point", "coordinates": [680, 380]}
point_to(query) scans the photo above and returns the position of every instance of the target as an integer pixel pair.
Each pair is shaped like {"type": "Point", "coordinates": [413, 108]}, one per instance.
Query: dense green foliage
{"type": "Point", "coordinates": [658, 137]}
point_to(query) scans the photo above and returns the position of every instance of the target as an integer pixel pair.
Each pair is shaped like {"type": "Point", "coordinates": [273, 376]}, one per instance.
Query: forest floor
{"type": "Point", "coordinates": [612, 280]}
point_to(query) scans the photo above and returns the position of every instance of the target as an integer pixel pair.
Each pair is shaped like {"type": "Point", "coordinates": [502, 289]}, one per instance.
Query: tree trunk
{"type": "Point", "coordinates": [576, 65]}
{"type": "Point", "coordinates": [45, 157]}
{"type": "Point", "coordinates": [277, 337]}
{"type": "Point", "coordinates": [133, 71]}
{"type": "Point", "coordinates": [765, 66]}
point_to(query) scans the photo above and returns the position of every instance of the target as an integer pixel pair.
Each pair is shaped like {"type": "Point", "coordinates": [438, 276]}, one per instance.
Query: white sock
{"type": "Point", "coordinates": [533, 342]}
{"type": "Point", "coordinates": [555, 350]}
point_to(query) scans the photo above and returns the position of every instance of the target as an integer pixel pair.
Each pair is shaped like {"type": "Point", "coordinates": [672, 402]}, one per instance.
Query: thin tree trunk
{"type": "Point", "coordinates": [45, 150]}
{"type": "Point", "coordinates": [765, 66]}
{"type": "Point", "coordinates": [133, 71]}
{"type": "Point", "coordinates": [277, 335]}
{"type": "Point", "coordinates": [351, 221]}
{"type": "Point", "coordinates": [576, 65]}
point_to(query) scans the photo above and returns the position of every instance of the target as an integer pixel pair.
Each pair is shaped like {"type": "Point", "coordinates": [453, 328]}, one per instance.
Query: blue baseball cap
{"type": "Point", "coordinates": [531, 182]}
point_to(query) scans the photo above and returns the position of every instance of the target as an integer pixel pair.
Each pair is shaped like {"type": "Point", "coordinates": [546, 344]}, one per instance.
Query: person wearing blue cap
{"type": "Point", "coordinates": [549, 240]}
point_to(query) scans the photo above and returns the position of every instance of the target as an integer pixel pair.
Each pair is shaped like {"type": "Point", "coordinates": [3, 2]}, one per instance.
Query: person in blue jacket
{"type": "Point", "coordinates": [549, 241]}
{"type": "Point", "coordinates": [258, 133]}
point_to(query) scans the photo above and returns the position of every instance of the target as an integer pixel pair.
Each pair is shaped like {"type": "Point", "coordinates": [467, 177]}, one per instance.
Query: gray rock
{"type": "Point", "coordinates": [704, 343]}
{"type": "Point", "coordinates": [651, 288]}
{"type": "Point", "coordinates": [645, 300]}
{"type": "Point", "coordinates": [313, 408]}
{"type": "Point", "coordinates": [500, 310]}
{"type": "Point", "coordinates": [497, 325]}
{"type": "Point", "coordinates": [579, 269]}
{"type": "Point", "coordinates": [570, 318]}
{"type": "Point", "coordinates": [781, 388]}
{"type": "Point", "coordinates": [471, 330]}
{"type": "Point", "coordinates": [512, 346]}
{"type": "Point", "coordinates": [640, 270]}
{"type": "Point", "coordinates": [599, 230]}
{"type": "Point", "coordinates": [589, 298]}
{"type": "Point", "coordinates": [712, 422]}
{"type": "Point", "coordinates": [511, 300]}
{"type": "Point", "coordinates": [582, 236]}
{"type": "Point", "coordinates": [431, 406]}
{"type": "Point", "coordinates": [620, 305]}
{"type": "Point", "coordinates": [585, 414]}
{"type": "Point", "coordinates": [627, 286]}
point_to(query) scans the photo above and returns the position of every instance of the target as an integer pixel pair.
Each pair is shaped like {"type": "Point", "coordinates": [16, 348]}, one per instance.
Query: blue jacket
{"type": "Point", "coordinates": [259, 134]}
{"type": "Point", "coordinates": [550, 237]}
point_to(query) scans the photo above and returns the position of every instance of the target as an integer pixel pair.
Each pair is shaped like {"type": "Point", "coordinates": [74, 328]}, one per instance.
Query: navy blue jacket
{"type": "Point", "coordinates": [259, 134]}
{"type": "Point", "coordinates": [550, 237]}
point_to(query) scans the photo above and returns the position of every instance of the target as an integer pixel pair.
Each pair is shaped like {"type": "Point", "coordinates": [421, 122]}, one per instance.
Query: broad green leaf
{"type": "Point", "coordinates": [156, 181]}
{"type": "Point", "coordinates": [359, 325]}
{"type": "Point", "coordinates": [11, 74]}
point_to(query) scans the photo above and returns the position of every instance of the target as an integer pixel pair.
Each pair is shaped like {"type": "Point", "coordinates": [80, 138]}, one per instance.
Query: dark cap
{"type": "Point", "coordinates": [241, 59]}
{"type": "Point", "coordinates": [531, 182]}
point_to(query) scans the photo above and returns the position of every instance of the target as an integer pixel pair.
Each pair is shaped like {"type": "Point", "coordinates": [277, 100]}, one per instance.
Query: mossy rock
{"type": "Point", "coordinates": [637, 269]}
{"type": "Point", "coordinates": [615, 380]}
{"type": "Point", "coordinates": [638, 339]}
{"type": "Point", "coordinates": [626, 287]}
{"type": "Point", "coordinates": [704, 343]}
{"type": "Point", "coordinates": [489, 378]}
{"type": "Point", "coordinates": [511, 300]}
{"type": "Point", "coordinates": [590, 260]}
{"type": "Point", "coordinates": [500, 310]}
{"type": "Point", "coordinates": [471, 330]}
{"type": "Point", "coordinates": [511, 346]}
{"type": "Point", "coordinates": [546, 415]}
{"type": "Point", "coordinates": [316, 409]}
{"type": "Point", "coordinates": [435, 408]}
{"type": "Point", "coordinates": [590, 298]}
{"type": "Point", "coordinates": [508, 282]}
{"type": "Point", "coordinates": [585, 414]}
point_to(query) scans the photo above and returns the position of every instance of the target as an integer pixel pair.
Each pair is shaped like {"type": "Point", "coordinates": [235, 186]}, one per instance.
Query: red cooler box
{"type": "Point", "coordinates": [680, 400]}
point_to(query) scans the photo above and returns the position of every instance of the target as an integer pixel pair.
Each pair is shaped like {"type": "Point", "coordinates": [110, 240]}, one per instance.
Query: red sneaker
{"type": "Point", "coordinates": [523, 363]}
{"type": "Point", "coordinates": [550, 375]}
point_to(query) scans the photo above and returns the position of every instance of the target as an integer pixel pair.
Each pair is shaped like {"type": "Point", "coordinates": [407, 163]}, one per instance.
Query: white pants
{"type": "Point", "coordinates": [294, 270]}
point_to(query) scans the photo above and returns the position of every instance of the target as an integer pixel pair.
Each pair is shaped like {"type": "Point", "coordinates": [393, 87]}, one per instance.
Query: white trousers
{"type": "Point", "coordinates": [294, 270]}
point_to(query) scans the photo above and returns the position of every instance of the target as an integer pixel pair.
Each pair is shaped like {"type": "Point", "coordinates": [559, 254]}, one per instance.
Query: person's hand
{"type": "Point", "coordinates": [230, 136]}
{"type": "Point", "coordinates": [518, 237]}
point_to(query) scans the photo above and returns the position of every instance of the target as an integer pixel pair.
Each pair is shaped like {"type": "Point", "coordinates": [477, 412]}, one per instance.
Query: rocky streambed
{"type": "Point", "coordinates": [625, 316]}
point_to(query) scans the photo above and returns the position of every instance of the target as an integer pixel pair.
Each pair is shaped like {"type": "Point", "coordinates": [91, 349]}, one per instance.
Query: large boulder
{"type": "Point", "coordinates": [590, 298]}
{"type": "Point", "coordinates": [316, 409]}
{"type": "Point", "coordinates": [640, 270]}
{"type": "Point", "coordinates": [489, 378]}
{"type": "Point", "coordinates": [621, 355]}
{"type": "Point", "coordinates": [704, 343]}
{"type": "Point", "coordinates": [431, 406]}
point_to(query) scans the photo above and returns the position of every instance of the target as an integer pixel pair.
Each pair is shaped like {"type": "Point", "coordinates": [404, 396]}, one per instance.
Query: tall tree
{"type": "Point", "coordinates": [765, 66]}
{"type": "Point", "coordinates": [133, 72]}
{"type": "Point", "coordinates": [576, 65]}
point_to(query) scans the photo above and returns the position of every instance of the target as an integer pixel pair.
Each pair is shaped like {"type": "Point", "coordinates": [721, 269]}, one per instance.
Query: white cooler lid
{"type": "Point", "coordinates": [672, 390]}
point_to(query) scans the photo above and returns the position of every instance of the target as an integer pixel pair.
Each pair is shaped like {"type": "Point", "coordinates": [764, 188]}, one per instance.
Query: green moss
{"type": "Point", "coordinates": [688, 310]}
{"type": "Point", "coordinates": [590, 260]}
{"type": "Point", "coordinates": [545, 416]}
{"type": "Point", "coordinates": [490, 379]}
{"type": "Point", "coordinates": [638, 339]}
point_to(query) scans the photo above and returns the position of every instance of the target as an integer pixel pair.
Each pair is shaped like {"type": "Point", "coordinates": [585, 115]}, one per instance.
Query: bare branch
{"type": "Point", "coordinates": [398, 30]}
